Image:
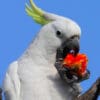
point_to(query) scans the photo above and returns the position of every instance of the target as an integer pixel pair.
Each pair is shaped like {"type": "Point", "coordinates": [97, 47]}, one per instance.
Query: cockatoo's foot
{"type": "Point", "coordinates": [65, 74]}
{"type": "Point", "coordinates": [85, 77]}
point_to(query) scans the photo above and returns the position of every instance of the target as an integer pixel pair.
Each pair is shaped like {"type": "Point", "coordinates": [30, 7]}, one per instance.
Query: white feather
{"type": "Point", "coordinates": [33, 76]}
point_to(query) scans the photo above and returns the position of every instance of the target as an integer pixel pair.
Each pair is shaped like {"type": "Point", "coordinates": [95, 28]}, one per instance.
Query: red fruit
{"type": "Point", "coordinates": [78, 63]}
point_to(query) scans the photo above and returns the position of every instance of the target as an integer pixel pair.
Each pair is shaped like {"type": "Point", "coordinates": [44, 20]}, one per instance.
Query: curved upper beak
{"type": "Point", "coordinates": [71, 46]}
{"type": "Point", "coordinates": [75, 45]}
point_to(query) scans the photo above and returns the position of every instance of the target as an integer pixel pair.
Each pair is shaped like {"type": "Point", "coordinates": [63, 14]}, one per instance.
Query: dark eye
{"type": "Point", "coordinates": [58, 33]}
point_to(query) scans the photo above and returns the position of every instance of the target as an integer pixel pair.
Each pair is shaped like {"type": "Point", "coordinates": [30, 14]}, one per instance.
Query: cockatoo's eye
{"type": "Point", "coordinates": [59, 34]}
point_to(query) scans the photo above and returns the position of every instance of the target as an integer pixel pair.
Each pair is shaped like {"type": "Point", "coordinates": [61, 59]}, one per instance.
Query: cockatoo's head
{"type": "Point", "coordinates": [58, 33]}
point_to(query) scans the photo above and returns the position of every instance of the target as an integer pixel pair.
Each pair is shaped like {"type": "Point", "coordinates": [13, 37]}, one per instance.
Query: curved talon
{"type": "Point", "coordinates": [65, 73]}
{"type": "Point", "coordinates": [85, 77]}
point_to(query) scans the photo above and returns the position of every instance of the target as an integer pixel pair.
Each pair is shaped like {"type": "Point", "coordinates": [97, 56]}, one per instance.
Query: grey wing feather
{"type": "Point", "coordinates": [11, 84]}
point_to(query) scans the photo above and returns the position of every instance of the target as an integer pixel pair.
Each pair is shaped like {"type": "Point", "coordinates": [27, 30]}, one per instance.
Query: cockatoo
{"type": "Point", "coordinates": [33, 76]}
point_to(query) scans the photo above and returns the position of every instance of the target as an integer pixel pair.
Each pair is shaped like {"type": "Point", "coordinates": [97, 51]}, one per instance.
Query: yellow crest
{"type": "Point", "coordinates": [36, 13]}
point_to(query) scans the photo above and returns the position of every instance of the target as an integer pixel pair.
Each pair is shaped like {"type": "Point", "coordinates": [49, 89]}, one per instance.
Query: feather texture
{"type": "Point", "coordinates": [36, 13]}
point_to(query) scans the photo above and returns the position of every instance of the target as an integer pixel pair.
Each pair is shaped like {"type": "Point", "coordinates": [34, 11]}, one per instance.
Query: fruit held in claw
{"type": "Point", "coordinates": [78, 63]}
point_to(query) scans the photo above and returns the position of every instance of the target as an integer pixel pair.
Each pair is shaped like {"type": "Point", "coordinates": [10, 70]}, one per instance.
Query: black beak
{"type": "Point", "coordinates": [68, 46]}
{"type": "Point", "coordinates": [71, 46]}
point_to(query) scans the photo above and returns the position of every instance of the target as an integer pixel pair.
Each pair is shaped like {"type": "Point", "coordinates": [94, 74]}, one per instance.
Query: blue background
{"type": "Point", "coordinates": [17, 30]}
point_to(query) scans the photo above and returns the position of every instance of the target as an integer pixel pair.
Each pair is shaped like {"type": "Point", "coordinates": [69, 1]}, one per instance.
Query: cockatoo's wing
{"type": "Point", "coordinates": [12, 83]}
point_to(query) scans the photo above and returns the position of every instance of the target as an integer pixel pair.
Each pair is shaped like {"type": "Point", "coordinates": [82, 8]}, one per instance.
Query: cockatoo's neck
{"type": "Point", "coordinates": [40, 51]}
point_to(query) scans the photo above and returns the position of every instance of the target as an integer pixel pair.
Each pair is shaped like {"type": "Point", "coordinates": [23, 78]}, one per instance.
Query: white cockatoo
{"type": "Point", "coordinates": [33, 76]}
